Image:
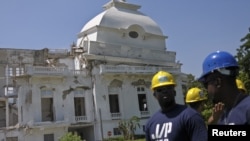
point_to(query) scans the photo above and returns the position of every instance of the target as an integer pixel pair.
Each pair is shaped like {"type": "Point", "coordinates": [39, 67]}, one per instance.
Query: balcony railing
{"type": "Point", "coordinates": [78, 72]}
{"type": "Point", "coordinates": [145, 113]}
{"type": "Point", "coordinates": [115, 115]}
{"type": "Point", "coordinates": [46, 70]}
{"type": "Point", "coordinates": [58, 71]}
{"type": "Point", "coordinates": [47, 123]}
{"type": "Point", "coordinates": [134, 69]}
{"type": "Point", "coordinates": [81, 118]}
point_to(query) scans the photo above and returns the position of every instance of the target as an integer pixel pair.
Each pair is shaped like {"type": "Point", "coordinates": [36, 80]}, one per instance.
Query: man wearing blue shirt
{"type": "Point", "coordinates": [173, 122]}
{"type": "Point", "coordinates": [220, 70]}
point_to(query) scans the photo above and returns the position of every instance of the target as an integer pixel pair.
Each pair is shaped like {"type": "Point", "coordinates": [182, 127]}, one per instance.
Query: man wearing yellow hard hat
{"type": "Point", "coordinates": [196, 98]}
{"type": "Point", "coordinates": [173, 122]}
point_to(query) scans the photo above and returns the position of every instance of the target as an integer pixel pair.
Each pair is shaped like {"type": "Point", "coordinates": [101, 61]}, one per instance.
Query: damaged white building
{"type": "Point", "coordinates": [103, 78]}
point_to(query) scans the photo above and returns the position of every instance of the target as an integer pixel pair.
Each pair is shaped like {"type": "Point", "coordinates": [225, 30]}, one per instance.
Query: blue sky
{"type": "Point", "coordinates": [194, 28]}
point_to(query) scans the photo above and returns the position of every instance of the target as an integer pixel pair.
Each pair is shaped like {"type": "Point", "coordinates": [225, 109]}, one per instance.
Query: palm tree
{"type": "Point", "coordinates": [128, 127]}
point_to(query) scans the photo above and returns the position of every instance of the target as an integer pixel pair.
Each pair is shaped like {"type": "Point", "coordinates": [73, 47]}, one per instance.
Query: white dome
{"type": "Point", "coordinates": [121, 15]}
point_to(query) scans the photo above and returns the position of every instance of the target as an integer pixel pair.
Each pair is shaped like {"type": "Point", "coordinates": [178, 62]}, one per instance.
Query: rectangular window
{"type": "Point", "coordinates": [80, 106]}
{"type": "Point", "coordinates": [142, 102]}
{"type": "Point", "coordinates": [8, 71]}
{"type": "Point", "coordinates": [114, 103]}
{"type": "Point", "coordinates": [140, 89]}
{"type": "Point", "coordinates": [48, 137]}
{"type": "Point", "coordinates": [9, 91]}
{"type": "Point", "coordinates": [19, 71]}
{"type": "Point", "coordinates": [142, 99]}
{"type": "Point", "coordinates": [47, 109]}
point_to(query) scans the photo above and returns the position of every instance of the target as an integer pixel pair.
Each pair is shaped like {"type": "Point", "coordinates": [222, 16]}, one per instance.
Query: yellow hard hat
{"type": "Point", "coordinates": [241, 85]}
{"type": "Point", "coordinates": [162, 78]}
{"type": "Point", "coordinates": [195, 94]}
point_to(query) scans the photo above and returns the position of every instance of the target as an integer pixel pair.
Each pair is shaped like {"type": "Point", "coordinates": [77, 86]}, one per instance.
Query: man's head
{"type": "Point", "coordinates": [163, 85]}
{"type": "Point", "coordinates": [195, 97]}
{"type": "Point", "coordinates": [195, 94]}
{"type": "Point", "coordinates": [219, 73]}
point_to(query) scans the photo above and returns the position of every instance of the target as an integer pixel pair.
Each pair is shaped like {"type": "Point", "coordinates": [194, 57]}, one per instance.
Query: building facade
{"type": "Point", "coordinates": [103, 78]}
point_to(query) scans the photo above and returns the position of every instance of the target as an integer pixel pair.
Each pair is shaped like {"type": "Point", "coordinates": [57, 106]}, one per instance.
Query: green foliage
{"type": "Point", "coordinates": [70, 137]}
{"type": "Point", "coordinates": [192, 82]}
{"type": "Point", "coordinates": [128, 127]}
{"type": "Point", "coordinates": [207, 112]}
{"type": "Point", "coordinates": [243, 58]}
